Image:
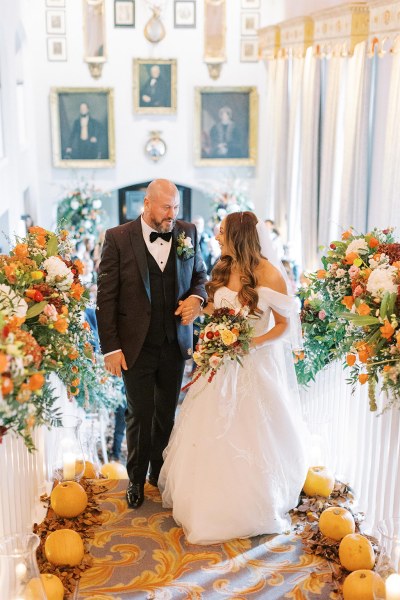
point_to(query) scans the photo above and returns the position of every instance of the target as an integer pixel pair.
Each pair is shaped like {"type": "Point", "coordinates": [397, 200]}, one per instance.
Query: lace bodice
{"type": "Point", "coordinates": [227, 297]}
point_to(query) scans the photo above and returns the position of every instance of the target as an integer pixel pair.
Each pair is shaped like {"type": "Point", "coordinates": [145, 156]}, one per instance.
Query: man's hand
{"type": "Point", "coordinates": [188, 309]}
{"type": "Point", "coordinates": [114, 362]}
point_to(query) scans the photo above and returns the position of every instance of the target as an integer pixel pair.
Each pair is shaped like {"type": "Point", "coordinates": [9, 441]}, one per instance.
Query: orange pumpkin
{"type": "Point", "coordinates": [363, 585]}
{"type": "Point", "coordinates": [68, 499]}
{"type": "Point", "coordinates": [336, 522]}
{"type": "Point", "coordinates": [319, 482]}
{"type": "Point", "coordinates": [114, 470]}
{"type": "Point", "coordinates": [91, 470]}
{"type": "Point", "coordinates": [356, 552]}
{"type": "Point", "coordinates": [64, 547]}
{"type": "Point", "coordinates": [52, 586]}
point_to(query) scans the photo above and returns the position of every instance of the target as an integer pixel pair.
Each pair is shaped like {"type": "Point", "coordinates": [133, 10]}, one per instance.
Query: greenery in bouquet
{"type": "Point", "coordinates": [359, 292]}
{"type": "Point", "coordinates": [42, 303]}
{"type": "Point", "coordinates": [80, 211]}
{"type": "Point", "coordinates": [224, 335]}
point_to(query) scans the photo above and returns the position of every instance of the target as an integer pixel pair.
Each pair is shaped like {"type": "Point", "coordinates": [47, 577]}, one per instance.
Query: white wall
{"type": "Point", "coordinates": [132, 130]}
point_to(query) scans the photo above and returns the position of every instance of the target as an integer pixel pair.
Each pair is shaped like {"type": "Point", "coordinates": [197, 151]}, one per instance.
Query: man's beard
{"type": "Point", "coordinates": [163, 226]}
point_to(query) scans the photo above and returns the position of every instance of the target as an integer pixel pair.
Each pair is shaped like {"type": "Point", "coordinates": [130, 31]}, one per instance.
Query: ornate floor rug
{"type": "Point", "coordinates": [142, 554]}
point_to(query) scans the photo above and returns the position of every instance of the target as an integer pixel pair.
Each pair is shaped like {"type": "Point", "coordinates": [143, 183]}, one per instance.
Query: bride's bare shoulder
{"type": "Point", "coordinates": [270, 277]}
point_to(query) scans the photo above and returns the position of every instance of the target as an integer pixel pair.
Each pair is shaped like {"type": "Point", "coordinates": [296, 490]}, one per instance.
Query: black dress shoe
{"type": "Point", "coordinates": [135, 495]}
{"type": "Point", "coordinates": [153, 480]}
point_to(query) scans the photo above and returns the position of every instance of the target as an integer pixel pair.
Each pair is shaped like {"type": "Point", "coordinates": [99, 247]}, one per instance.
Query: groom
{"type": "Point", "coordinates": [150, 289]}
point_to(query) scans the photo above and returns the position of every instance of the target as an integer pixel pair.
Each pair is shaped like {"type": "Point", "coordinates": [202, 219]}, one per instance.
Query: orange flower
{"type": "Point", "coordinates": [75, 392]}
{"type": "Point", "coordinates": [386, 368]}
{"type": "Point", "coordinates": [351, 359]}
{"type": "Point", "coordinates": [36, 382]}
{"type": "Point", "coordinates": [15, 323]}
{"type": "Point", "coordinates": [9, 270]}
{"type": "Point", "coordinates": [74, 369]}
{"type": "Point", "coordinates": [35, 230]}
{"type": "Point", "coordinates": [86, 325]}
{"type": "Point", "coordinates": [73, 354]}
{"type": "Point", "coordinates": [79, 266]}
{"type": "Point", "coordinates": [398, 340]}
{"type": "Point", "coordinates": [363, 378]}
{"type": "Point", "coordinates": [387, 330]}
{"type": "Point", "coordinates": [61, 325]}
{"type": "Point", "coordinates": [77, 290]}
{"type": "Point", "coordinates": [321, 274]}
{"type": "Point", "coordinates": [348, 301]}
{"type": "Point", "coordinates": [347, 234]}
{"type": "Point", "coordinates": [75, 382]}
{"type": "Point", "coordinates": [41, 240]}
{"type": "Point", "coordinates": [363, 356]}
{"type": "Point", "coordinates": [396, 264]}
{"type": "Point", "coordinates": [24, 393]}
{"type": "Point", "coordinates": [235, 331]}
{"type": "Point", "coordinates": [373, 242]}
{"type": "Point", "coordinates": [21, 250]}
{"type": "Point", "coordinates": [3, 362]}
{"type": "Point", "coordinates": [64, 310]}
{"type": "Point", "coordinates": [7, 386]}
{"type": "Point", "coordinates": [350, 258]}
{"type": "Point", "coordinates": [363, 309]}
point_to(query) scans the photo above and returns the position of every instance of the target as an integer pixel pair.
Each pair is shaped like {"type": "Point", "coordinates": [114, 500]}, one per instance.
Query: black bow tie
{"type": "Point", "coordinates": [165, 236]}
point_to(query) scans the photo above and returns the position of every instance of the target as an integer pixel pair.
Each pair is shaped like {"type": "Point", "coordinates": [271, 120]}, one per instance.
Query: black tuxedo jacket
{"type": "Point", "coordinates": [123, 297]}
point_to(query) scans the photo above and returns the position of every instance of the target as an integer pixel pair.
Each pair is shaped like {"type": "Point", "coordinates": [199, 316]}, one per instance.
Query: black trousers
{"type": "Point", "coordinates": [152, 388]}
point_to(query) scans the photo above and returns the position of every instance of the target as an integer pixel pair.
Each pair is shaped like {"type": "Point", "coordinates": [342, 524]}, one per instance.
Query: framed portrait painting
{"type": "Point", "coordinates": [124, 13]}
{"type": "Point", "coordinates": [226, 126]}
{"type": "Point", "coordinates": [82, 123]}
{"type": "Point", "coordinates": [185, 13]}
{"type": "Point", "coordinates": [154, 86]}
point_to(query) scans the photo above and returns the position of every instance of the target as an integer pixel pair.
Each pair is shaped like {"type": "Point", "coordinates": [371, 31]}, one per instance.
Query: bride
{"type": "Point", "coordinates": [235, 463]}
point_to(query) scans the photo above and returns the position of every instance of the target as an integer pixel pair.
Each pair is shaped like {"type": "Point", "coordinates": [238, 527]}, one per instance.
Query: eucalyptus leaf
{"type": "Point", "coordinates": [52, 246]}
{"type": "Point", "coordinates": [36, 309]}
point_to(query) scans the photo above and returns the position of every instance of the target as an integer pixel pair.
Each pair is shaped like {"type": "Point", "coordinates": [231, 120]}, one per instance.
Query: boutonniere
{"type": "Point", "coordinates": [184, 246]}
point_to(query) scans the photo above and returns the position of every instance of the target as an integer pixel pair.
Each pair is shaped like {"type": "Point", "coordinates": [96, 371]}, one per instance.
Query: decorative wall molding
{"type": "Point", "coordinates": [339, 29]}
{"type": "Point", "coordinates": [297, 35]}
{"type": "Point", "coordinates": [269, 42]}
{"type": "Point", "coordinates": [384, 29]}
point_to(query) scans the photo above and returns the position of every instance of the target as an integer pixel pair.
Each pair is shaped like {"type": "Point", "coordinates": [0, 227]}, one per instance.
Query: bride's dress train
{"type": "Point", "coordinates": [235, 463]}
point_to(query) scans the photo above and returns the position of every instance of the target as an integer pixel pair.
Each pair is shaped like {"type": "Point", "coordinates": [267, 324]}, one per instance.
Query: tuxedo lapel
{"type": "Point", "coordinates": [178, 262]}
{"type": "Point", "coordinates": [139, 250]}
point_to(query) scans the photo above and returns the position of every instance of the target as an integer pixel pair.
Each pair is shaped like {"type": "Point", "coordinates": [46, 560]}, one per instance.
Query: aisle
{"type": "Point", "coordinates": [143, 555]}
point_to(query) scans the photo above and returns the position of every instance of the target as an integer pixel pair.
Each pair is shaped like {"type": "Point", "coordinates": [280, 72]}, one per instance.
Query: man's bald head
{"type": "Point", "coordinates": [161, 205]}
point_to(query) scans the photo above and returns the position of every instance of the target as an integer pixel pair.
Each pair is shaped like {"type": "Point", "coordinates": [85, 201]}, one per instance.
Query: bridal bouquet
{"type": "Point", "coordinates": [224, 335]}
{"type": "Point", "coordinates": [358, 298]}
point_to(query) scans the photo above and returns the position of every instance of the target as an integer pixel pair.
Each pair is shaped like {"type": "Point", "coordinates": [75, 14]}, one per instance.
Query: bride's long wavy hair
{"type": "Point", "coordinates": [241, 240]}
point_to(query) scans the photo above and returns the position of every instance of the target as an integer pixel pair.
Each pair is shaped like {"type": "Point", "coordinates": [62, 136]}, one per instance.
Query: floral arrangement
{"type": "Point", "coordinates": [42, 331]}
{"type": "Point", "coordinates": [224, 335]}
{"type": "Point", "coordinates": [80, 211]}
{"type": "Point", "coordinates": [227, 197]}
{"type": "Point", "coordinates": [357, 298]}
{"type": "Point", "coordinates": [184, 246]}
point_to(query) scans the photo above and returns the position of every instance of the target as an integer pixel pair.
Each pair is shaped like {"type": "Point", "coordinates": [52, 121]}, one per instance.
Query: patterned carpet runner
{"type": "Point", "coordinates": [142, 554]}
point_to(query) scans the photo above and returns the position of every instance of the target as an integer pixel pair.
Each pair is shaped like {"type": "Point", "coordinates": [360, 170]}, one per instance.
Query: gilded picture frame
{"type": "Point", "coordinates": [154, 86]}
{"type": "Point", "coordinates": [226, 125]}
{"type": "Point", "coordinates": [82, 127]}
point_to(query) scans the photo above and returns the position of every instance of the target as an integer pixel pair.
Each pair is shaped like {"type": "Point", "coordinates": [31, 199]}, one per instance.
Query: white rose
{"type": "Point", "coordinates": [188, 242]}
{"type": "Point", "coordinates": [88, 224]}
{"type": "Point", "coordinates": [84, 211]}
{"type": "Point", "coordinates": [381, 281]}
{"type": "Point", "coordinates": [97, 204]}
{"type": "Point", "coordinates": [58, 273]}
{"type": "Point", "coordinates": [357, 246]}
{"type": "Point", "coordinates": [74, 204]}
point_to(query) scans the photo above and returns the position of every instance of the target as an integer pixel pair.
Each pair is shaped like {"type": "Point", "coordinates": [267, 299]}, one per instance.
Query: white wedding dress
{"type": "Point", "coordinates": [235, 463]}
